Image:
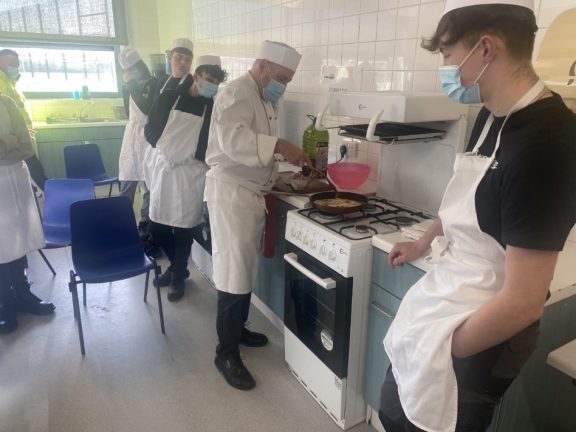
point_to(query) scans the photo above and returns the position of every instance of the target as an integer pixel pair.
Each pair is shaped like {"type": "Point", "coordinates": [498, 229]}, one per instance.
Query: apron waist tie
{"type": "Point", "coordinates": [271, 228]}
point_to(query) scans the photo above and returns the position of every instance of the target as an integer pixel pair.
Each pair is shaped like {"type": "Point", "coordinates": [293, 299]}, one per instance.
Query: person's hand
{"type": "Point", "coordinates": [404, 252]}
{"type": "Point", "coordinates": [292, 153]}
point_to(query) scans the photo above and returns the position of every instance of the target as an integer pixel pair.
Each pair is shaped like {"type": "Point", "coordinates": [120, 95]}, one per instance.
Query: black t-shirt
{"type": "Point", "coordinates": [527, 198]}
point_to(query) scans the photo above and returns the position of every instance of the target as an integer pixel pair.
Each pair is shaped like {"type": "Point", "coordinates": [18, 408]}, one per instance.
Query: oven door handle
{"type": "Point", "coordinates": [292, 259]}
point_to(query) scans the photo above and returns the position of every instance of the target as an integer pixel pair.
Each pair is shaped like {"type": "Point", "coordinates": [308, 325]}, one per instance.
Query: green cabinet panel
{"type": "Point", "coordinates": [379, 319]}
{"type": "Point", "coordinates": [60, 134]}
{"type": "Point", "coordinates": [386, 293]}
{"type": "Point", "coordinates": [51, 143]}
{"type": "Point", "coordinates": [270, 287]}
{"type": "Point", "coordinates": [396, 281]}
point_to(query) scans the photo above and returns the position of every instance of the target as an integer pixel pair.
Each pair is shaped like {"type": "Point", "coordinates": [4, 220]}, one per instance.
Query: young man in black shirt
{"type": "Point", "coordinates": [466, 328]}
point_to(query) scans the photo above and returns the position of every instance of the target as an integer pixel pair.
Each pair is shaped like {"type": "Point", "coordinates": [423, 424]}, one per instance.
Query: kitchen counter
{"type": "Point", "coordinates": [563, 284]}
{"type": "Point", "coordinates": [44, 125]}
{"type": "Point", "coordinates": [564, 359]}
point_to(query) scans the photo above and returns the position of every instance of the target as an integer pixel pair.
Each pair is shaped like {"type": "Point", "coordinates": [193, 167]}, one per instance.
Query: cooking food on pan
{"type": "Point", "coordinates": [338, 202]}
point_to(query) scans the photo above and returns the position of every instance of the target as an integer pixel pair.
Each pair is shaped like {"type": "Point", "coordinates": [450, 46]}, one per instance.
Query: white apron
{"type": "Point", "coordinates": [237, 216]}
{"type": "Point", "coordinates": [177, 187]}
{"type": "Point", "coordinates": [468, 271]}
{"type": "Point", "coordinates": [134, 146]}
{"type": "Point", "coordinates": [20, 226]}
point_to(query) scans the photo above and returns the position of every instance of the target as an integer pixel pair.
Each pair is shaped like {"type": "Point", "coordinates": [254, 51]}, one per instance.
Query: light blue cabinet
{"type": "Point", "coordinates": [51, 143]}
{"type": "Point", "coordinates": [386, 292]}
{"type": "Point", "coordinates": [270, 288]}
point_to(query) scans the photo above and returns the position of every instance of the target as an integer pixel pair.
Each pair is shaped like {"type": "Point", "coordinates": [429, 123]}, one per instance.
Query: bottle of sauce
{"type": "Point", "coordinates": [315, 145]}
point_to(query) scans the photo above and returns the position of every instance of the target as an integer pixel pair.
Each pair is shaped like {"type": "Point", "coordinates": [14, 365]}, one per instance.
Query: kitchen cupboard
{"type": "Point", "coordinates": [270, 287]}
{"type": "Point", "coordinates": [386, 292]}
{"type": "Point", "coordinates": [51, 143]}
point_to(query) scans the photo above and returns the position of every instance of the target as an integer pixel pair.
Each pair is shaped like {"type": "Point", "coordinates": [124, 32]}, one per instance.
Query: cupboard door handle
{"type": "Point", "coordinates": [292, 259]}
{"type": "Point", "coordinates": [379, 308]}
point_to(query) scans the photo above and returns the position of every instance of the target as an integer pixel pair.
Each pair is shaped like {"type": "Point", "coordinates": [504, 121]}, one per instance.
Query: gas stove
{"type": "Point", "coordinates": [327, 291]}
{"type": "Point", "coordinates": [379, 216]}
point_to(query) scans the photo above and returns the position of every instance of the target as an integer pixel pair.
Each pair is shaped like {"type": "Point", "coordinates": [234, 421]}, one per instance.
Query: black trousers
{"type": "Point", "coordinates": [176, 244]}
{"type": "Point", "coordinates": [36, 171]}
{"type": "Point", "coordinates": [12, 278]}
{"type": "Point", "coordinates": [231, 316]}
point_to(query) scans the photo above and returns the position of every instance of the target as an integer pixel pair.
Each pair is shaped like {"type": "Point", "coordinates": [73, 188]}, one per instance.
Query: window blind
{"type": "Point", "coordinates": [82, 21]}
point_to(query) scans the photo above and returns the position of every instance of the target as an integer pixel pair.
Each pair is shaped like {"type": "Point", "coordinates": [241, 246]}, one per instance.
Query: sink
{"type": "Point", "coordinates": [66, 120]}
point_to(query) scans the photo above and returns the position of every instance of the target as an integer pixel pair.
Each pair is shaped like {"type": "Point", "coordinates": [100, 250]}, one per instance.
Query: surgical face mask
{"type": "Point", "coordinates": [12, 72]}
{"type": "Point", "coordinates": [207, 89]}
{"type": "Point", "coordinates": [274, 90]}
{"type": "Point", "coordinates": [451, 80]}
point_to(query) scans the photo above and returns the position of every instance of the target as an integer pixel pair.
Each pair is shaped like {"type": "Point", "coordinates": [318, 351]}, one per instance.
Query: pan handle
{"type": "Point", "coordinates": [292, 259]}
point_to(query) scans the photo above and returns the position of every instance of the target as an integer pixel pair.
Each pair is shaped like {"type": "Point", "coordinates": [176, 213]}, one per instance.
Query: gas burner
{"type": "Point", "coordinates": [328, 217]}
{"type": "Point", "coordinates": [370, 208]}
{"type": "Point", "coordinates": [362, 229]}
{"type": "Point", "coordinates": [404, 220]}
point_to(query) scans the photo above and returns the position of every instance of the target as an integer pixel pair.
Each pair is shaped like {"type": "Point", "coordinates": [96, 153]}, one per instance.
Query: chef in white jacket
{"type": "Point", "coordinates": [139, 91]}
{"type": "Point", "coordinates": [178, 129]}
{"type": "Point", "coordinates": [242, 143]}
{"type": "Point", "coordinates": [466, 328]}
{"type": "Point", "coordinates": [20, 227]}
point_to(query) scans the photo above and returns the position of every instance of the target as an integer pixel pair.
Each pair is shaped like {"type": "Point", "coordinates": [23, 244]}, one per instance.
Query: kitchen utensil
{"type": "Point", "coordinates": [297, 181]}
{"type": "Point", "coordinates": [348, 175]}
{"type": "Point", "coordinates": [316, 202]}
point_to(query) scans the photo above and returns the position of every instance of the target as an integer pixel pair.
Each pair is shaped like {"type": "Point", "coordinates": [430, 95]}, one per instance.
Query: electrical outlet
{"type": "Point", "coordinates": [352, 147]}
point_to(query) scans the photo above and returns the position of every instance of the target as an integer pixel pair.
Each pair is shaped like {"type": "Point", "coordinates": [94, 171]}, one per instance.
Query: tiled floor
{"type": "Point", "coordinates": [133, 378]}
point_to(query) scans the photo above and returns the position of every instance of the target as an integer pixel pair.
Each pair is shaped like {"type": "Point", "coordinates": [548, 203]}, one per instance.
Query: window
{"type": "Point", "coordinates": [64, 45]}
{"type": "Point", "coordinates": [64, 70]}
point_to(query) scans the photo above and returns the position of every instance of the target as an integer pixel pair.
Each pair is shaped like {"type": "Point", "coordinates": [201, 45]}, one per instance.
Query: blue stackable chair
{"type": "Point", "coordinates": [59, 194]}
{"type": "Point", "coordinates": [85, 162]}
{"type": "Point", "coordinates": [106, 248]}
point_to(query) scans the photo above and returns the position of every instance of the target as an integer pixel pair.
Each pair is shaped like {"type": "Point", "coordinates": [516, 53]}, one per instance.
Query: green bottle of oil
{"type": "Point", "coordinates": [315, 145]}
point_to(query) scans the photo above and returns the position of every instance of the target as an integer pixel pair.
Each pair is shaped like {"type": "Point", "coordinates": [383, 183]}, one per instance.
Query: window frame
{"type": "Point", "coordinates": [88, 43]}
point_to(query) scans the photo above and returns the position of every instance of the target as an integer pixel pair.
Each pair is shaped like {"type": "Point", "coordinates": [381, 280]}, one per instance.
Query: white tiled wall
{"type": "Point", "coordinates": [382, 36]}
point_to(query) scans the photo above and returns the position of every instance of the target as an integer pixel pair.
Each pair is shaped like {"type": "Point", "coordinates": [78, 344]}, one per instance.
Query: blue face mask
{"type": "Point", "coordinates": [452, 83]}
{"type": "Point", "coordinates": [273, 91]}
{"type": "Point", "coordinates": [12, 72]}
{"type": "Point", "coordinates": [207, 89]}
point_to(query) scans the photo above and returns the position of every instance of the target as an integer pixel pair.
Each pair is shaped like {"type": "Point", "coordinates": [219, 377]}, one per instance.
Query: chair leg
{"type": "Point", "coordinates": [160, 311]}
{"type": "Point", "coordinates": [83, 294]}
{"type": "Point", "coordinates": [72, 287]}
{"type": "Point", "coordinates": [146, 285]}
{"type": "Point", "coordinates": [47, 262]}
{"type": "Point", "coordinates": [110, 191]}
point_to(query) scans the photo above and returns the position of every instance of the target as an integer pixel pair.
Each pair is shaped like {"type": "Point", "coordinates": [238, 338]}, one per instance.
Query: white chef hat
{"type": "Point", "coordinates": [128, 57]}
{"type": "Point", "coordinates": [279, 53]}
{"type": "Point", "coordinates": [182, 43]}
{"type": "Point", "coordinates": [457, 4]}
{"type": "Point", "coordinates": [208, 60]}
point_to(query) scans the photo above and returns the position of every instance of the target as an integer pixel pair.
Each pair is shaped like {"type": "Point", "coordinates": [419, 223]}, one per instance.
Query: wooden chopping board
{"type": "Point", "coordinates": [315, 186]}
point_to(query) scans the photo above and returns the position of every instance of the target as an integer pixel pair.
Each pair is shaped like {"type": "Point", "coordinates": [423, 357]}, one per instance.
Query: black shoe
{"type": "Point", "coordinates": [235, 372]}
{"type": "Point", "coordinates": [176, 291]}
{"type": "Point", "coordinates": [165, 278]}
{"type": "Point", "coordinates": [8, 325]}
{"type": "Point", "coordinates": [253, 339]}
{"type": "Point", "coordinates": [28, 302]}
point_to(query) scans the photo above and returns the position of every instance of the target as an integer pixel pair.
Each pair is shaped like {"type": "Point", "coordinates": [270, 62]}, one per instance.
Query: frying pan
{"type": "Point", "coordinates": [362, 200]}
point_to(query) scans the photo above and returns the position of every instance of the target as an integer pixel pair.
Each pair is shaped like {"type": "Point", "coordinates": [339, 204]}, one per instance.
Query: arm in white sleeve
{"type": "Point", "coordinates": [234, 115]}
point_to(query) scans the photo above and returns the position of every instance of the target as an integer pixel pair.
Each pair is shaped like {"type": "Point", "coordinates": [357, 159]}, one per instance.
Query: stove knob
{"type": "Point", "coordinates": [332, 256]}
{"type": "Point", "coordinates": [306, 239]}
{"type": "Point", "coordinates": [293, 232]}
{"type": "Point", "coordinates": [299, 235]}
{"type": "Point", "coordinates": [322, 250]}
{"type": "Point", "coordinates": [313, 244]}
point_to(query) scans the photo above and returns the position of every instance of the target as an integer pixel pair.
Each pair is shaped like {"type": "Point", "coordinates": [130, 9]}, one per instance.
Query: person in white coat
{"type": "Point", "coordinates": [242, 143]}
{"type": "Point", "coordinates": [20, 227]}
{"type": "Point", "coordinates": [463, 332]}
{"type": "Point", "coordinates": [139, 91]}
{"type": "Point", "coordinates": [178, 129]}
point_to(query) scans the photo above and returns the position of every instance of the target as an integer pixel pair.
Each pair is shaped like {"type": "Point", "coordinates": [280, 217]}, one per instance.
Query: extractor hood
{"type": "Point", "coordinates": [392, 114]}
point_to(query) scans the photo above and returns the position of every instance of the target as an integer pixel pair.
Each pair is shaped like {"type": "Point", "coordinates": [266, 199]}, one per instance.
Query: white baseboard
{"type": "Point", "coordinates": [268, 313]}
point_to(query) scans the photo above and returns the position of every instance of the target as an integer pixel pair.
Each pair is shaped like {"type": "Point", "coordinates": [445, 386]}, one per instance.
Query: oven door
{"type": "Point", "coordinates": [317, 307]}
